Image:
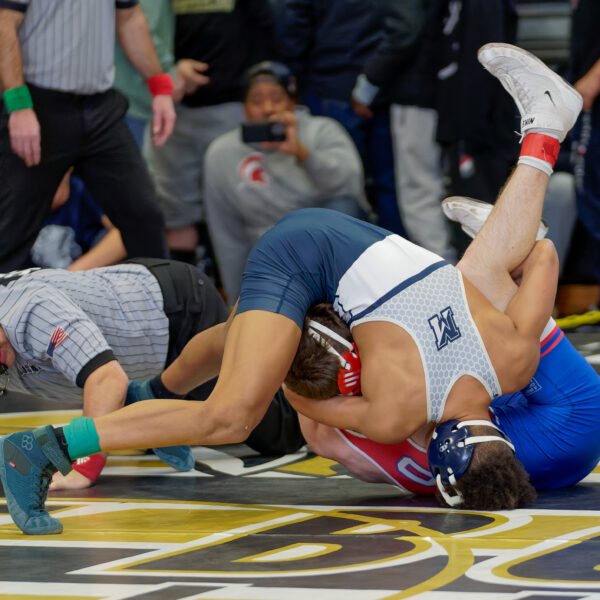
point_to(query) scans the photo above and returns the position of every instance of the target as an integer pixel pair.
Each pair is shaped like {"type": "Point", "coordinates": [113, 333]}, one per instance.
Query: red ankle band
{"type": "Point", "coordinates": [541, 146]}
{"type": "Point", "coordinates": [90, 466]}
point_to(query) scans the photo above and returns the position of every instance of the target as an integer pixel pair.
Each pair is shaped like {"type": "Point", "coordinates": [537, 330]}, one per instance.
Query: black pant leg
{"type": "Point", "coordinates": [117, 177]}
{"type": "Point", "coordinates": [26, 192]}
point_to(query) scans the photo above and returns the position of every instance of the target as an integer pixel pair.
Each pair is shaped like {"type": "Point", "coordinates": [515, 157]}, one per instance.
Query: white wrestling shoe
{"type": "Point", "coordinates": [472, 214]}
{"type": "Point", "coordinates": [545, 100]}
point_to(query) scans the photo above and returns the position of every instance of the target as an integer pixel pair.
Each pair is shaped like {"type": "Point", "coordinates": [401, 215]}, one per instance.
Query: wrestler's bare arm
{"type": "Point", "coordinates": [339, 411]}
{"type": "Point", "coordinates": [524, 320]}
{"type": "Point", "coordinates": [533, 303]}
{"type": "Point", "coordinates": [376, 420]}
{"type": "Point", "coordinates": [199, 361]}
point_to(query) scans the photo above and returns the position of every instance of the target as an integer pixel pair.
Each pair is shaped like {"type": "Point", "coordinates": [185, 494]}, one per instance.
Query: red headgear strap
{"type": "Point", "coordinates": [349, 373]}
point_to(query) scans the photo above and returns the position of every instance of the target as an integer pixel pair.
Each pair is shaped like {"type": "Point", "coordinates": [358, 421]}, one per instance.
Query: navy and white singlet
{"type": "Point", "coordinates": [319, 255]}
{"type": "Point", "coordinates": [369, 274]}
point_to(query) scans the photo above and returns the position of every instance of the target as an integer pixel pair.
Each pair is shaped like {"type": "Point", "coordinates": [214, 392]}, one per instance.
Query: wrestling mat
{"type": "Point", "coordinates": [296, 527]}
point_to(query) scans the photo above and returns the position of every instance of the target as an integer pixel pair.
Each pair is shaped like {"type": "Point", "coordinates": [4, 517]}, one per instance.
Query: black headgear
{"type": "Point", "coordinates": [451, 450]}
{"type": "Point", "coordinates": [276, 71]}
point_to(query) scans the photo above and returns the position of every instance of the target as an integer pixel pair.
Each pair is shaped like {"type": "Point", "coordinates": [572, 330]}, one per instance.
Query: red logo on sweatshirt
{"type": "Point", "coordinates": [251, 170]}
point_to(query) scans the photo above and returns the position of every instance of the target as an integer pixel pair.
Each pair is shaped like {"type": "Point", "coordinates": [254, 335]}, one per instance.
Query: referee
{"type": "Point", "coordinates": [58, 110]}
{"type": "Point", "coordinates": [67, 335]}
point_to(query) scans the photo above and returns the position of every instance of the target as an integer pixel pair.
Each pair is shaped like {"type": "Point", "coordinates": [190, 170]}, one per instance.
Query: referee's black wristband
{"type": "Point", "coordinates": [160, 391]}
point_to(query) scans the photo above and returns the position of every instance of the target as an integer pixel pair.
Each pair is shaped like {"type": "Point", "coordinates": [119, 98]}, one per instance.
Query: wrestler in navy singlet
{"type": "Point", "coordinates": [319, 255]}
{"type": "Point", "coordinates": [369, 274]}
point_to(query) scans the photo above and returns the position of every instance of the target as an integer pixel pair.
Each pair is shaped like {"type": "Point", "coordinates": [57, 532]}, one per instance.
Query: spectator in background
{"type": "Point", "coordinates": [326, 45]}
{"type": "Point", "coordinates": [76, 235]}
{"type": "Point", "coordinates": [59, 111]}
{"type": "Point", "coordinates": [580, 283]}
{"type": "Point", "coordinates": [560, 210]}
{"type": "Point", "coordinates": [476, 130]}
{"type": "Point", "coordinates": [228, 38]}
{"type": "Point", "coordinates": [188, 74]}
{"type": "Point", "coordinates": [404, 65]}
{"type": "Point", "coordinates": [250, 186]}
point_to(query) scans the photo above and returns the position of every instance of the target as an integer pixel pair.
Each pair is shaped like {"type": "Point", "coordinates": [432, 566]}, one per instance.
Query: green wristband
{"type": "Point", "coordinates": [17, 98]}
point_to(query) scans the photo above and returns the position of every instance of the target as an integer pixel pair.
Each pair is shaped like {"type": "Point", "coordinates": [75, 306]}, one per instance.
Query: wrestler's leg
{"type": "Point", "coordinates": [259, 350]}
{"type": "Point", "coordinates": [549, 108]}
{"type": "Point", "coordinates": [504, 240]}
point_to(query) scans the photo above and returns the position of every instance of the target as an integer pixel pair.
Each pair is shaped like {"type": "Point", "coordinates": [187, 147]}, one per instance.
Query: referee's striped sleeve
{"type": "Point", "coordinates": [80, 339]}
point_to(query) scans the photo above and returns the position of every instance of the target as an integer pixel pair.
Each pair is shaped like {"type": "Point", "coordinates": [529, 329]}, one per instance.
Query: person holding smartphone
{"type": "Point", "coordinates": [279, 160]}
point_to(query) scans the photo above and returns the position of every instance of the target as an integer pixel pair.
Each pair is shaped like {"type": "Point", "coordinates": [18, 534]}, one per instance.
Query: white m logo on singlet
{"type": "Point", "coordinates": [444, 327]}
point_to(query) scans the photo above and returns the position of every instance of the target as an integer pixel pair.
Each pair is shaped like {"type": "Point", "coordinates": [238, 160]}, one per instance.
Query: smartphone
{"type": "Point", "coordinates": [263, 131]}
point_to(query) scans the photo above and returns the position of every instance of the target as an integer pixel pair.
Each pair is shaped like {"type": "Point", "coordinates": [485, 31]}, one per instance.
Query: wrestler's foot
{"type": "Point", "coordinates": [472, 214]}
{"type": "Point", "coordinates": [28, 459]}
{"type": "Point", "coordinates": [547, 103]}
{"type": "Point", "coordinates": [178, 457]}
{"type": "Point", "coordinates": [138, 391]}
{"type": "Point", "coordinates": [85, 473]}
{"type": "Point", "coordinates": [71, 481]}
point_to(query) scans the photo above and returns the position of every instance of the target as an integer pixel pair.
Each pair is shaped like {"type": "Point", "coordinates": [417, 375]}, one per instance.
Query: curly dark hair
{"type": "Point", "coordinates": [495, 479]}
{"type": "Point", "coordinates": [314, 371]}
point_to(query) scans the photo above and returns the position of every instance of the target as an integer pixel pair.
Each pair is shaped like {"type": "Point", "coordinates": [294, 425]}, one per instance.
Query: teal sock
{"type": "Point", "coordinates": [81, 436]}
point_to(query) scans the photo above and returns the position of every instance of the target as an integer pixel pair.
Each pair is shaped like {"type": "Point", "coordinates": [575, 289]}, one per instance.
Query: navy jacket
{"type": "Point", "coordinates": [327, 42]}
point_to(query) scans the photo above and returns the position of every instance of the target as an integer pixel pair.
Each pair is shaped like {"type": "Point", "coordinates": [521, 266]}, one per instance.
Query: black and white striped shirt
{"type": "Point", "coordinates": [63, 325]}
{"type": "Point", "coordinates": [68, 45]}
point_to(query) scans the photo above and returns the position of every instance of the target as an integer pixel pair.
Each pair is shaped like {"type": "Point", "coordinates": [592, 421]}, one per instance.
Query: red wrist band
{"type": "Point", "coordinates": [541, 146]}
{"type": "Point", "coordinates": [90, 466]}
{"type": "Point", "coordinates": [160, 84]}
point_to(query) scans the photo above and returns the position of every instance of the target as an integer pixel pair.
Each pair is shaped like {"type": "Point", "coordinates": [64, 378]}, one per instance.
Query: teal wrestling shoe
{"type": "Point", "coordinates": [28, 459]}
{"type": "Point", "coordinates": [138, 391]}
{"type": "Point", "coordinates": [178, 457]}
